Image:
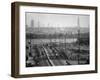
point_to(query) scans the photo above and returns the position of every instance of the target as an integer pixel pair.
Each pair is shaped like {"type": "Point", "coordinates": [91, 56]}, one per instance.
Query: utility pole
{"type": "Point", "coordinates": [56, 35]}
{"type": "Point", "coordinates": [32, 25]}
{"type": "Point", "coordinates": [65, 40]}
{"type": "Point", "coordinates": [38, 25]}
{"type": "Point", "coordinates": [78, 40]}
{"type": "Point", "coordinates": [50, 36]}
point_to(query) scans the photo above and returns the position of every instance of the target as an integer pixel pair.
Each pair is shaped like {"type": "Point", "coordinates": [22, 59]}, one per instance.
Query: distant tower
{"type": "Point", "coordinates": [32, 23]}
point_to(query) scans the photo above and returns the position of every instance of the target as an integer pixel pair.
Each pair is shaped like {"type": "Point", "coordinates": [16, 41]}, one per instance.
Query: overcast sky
{"type": "Point", "coordinates": [56, 20]}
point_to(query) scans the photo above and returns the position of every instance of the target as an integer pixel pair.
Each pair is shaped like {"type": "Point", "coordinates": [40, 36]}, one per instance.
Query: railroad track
{"type": "Point", "coordinates": [63, 55]}
{"type": "Point", "coordinates": [49, 51]}
{"type": "Point", "coordinates": [42, 54]}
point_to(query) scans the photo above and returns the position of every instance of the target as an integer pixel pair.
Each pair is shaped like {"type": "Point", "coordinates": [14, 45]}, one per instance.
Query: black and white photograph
{"type": "Point", "coordinates": [54, 39]}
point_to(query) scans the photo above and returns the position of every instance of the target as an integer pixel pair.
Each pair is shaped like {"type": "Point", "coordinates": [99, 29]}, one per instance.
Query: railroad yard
{"type": "Point", "coordinates": [57, 40]}
{"type": "Point", "coordinates": [56, 54]}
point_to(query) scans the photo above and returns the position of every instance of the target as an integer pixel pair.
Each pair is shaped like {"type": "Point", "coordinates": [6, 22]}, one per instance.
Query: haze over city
{"type": "Point", "coordinates": [56, 20]}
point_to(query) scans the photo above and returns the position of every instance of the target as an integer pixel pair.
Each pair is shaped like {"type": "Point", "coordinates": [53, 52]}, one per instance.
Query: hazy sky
{"type": "Point", "coordinates": [56, 20]}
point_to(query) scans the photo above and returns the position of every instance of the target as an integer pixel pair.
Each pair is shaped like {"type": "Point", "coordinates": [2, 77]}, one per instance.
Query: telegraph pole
{"type": "Point", "coordinates": [78, 40]}
{"type": "Point", "coordinates": [32, 25]}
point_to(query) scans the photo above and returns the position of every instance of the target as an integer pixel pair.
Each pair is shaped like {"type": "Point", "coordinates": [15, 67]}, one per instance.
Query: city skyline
{"type": "Point", "coordinates": [56, 20]}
